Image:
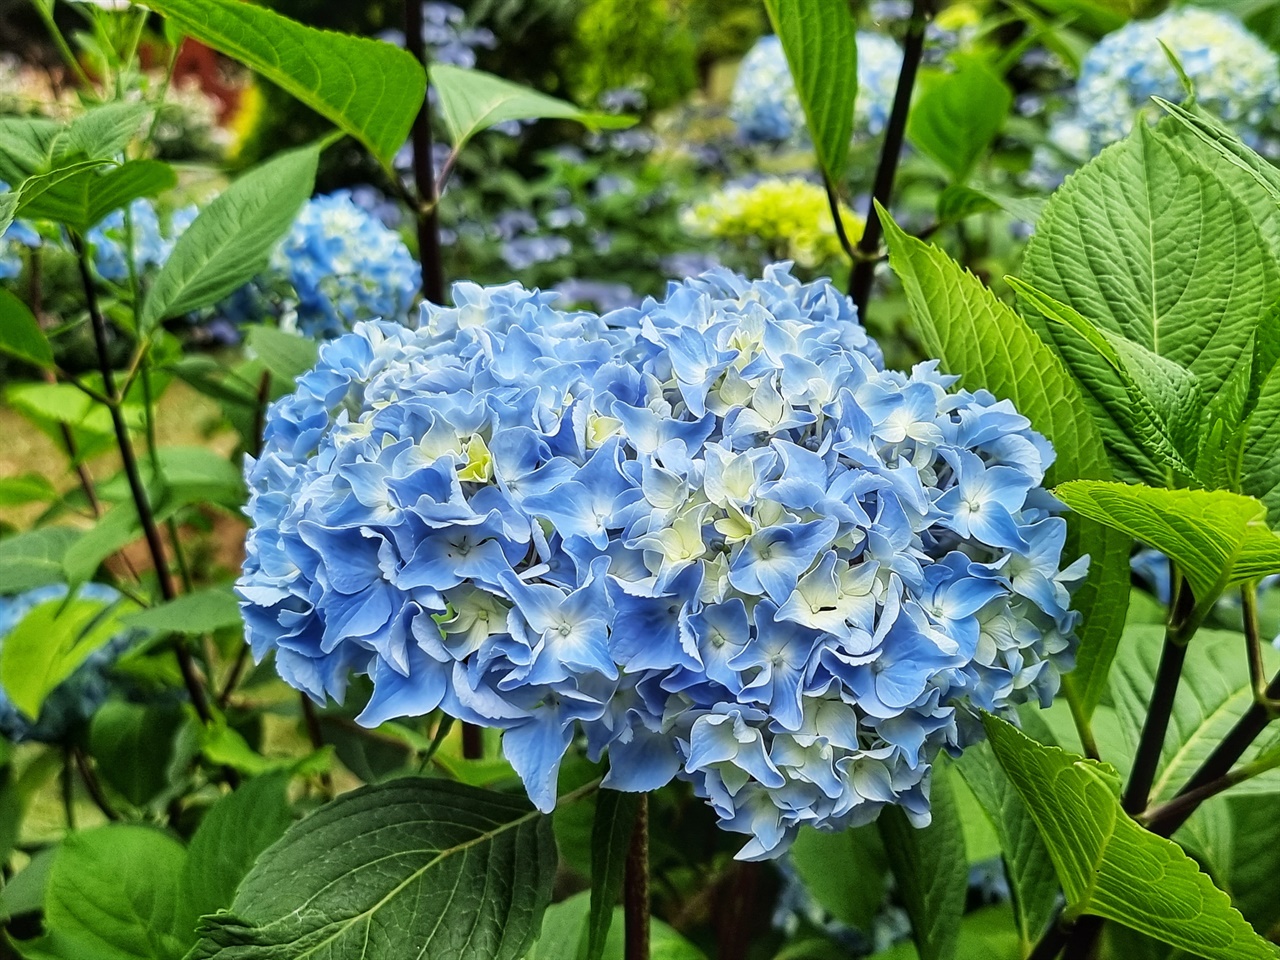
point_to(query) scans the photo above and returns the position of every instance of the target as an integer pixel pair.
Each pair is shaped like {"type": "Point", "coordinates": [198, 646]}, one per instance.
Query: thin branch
{"type": "Point", "coordinates": [833, 201]}
{"type": "Point", "coordinates": [428, 216]}
{"type": "Point", "coordinates": [130, 463]}
{"type": "Point", "coordinates": [1155, 817]}
{"type": "Point", "coordinates": [635, 890]}
{"type": "Point", "coordinates": [895, 134]}
{"type": "Point", "coordinates": [92, 785]}
{"type": "Point", "coordinates": [316, 736]}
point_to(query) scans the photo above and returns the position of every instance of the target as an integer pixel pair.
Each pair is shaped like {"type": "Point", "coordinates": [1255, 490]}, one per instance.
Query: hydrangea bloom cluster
{"type": "Point", "coordinates": [1236, 76]}
{"type": "Point", "coordinates": [77, 697]}
{"type": "Point", "coordinates": [765, 106]}
{"type": "Point", "coordinates": [711, 533]}
{"type": "Point", "coordinates": [153, 239]}
{"type": "Point", "coordinates": [780, 217]}
{"type": "Point", "coordinates": [338, 265]}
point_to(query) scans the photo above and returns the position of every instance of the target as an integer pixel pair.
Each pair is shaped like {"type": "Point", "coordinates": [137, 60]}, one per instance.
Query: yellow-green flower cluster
{"type": "Point", "coordinates": [783, 218]}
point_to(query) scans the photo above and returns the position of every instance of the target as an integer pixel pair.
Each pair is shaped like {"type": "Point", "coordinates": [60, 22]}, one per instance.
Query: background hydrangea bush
{"type": "Point", "coordinates": [543, 482]}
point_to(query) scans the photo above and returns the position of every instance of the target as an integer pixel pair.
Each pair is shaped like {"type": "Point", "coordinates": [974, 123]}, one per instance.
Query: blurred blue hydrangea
{"type": "Point", "coordinates": [1235, 75]}
{"type": "Point", "coordinates": [77, 697]}
{"type": "Point", "coordinates": [153, 239]}
{"type": "Point", "coordinates": [338, 265]}
{"type": "Point", "coordinates": [710, 532]}
{"type": "Point", "coordinates": [446, 35]}
{"type": "Point", "coordinates": [18, 234]}
{"type": "Point", "coordinates": [765, 106]}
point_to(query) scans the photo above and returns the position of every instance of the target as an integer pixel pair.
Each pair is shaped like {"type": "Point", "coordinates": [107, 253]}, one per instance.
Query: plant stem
{"type": "Point", "coordinates": [635, 891]}
{"type": "Point", "coordinates": [1219, 763]}
{"type": "Point", "coordinates": [864, 268]}
{"type": "Point", "coordinates": [833, 201]}
{"type": "Point", "coordinates": [472, 742]}
{"type": "Point", "coordinates": [130, 462]}
{"type": "Point", "coordinates": [68, 791]}
{"type": "Point", "coordinates": [1181, 624]}
{"type": "Point", "coordinates": [316, 736]}
{"type": "Point", "coordinates": [92, 785]}
{"type": "Point", "coordinates": [1083, 939]}
{"type": "Point", "coordinates": [1156, 816]}
{"type": "Point", "coordinates": [1053, 940]}
{"type": "Point", "coordinates": [427, 212]}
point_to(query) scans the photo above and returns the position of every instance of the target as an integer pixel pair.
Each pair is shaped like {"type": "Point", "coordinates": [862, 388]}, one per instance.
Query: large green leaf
{"type": "Point", "coordinates": [1027, 866]}
{"type": "Point", "coordinates": [81, 200]}
{"type": "Point", "coordinates": [1216, 538]}
{"type": "Point", "coordinates": [472, 100]}
{"type": "Point", "coordinates": [1213, 693]}
{"type": "Point", "coordinates": [370, 89]}
{"type": "Point", "coordinates": [615, 821]}
{"type": "Point", "coordinates": [980, 338]}
{"type": "Point", "coordinates": [564, 935]}
{"type": "Point", "coordinates": [958, 113]}
{"type": "Point", "coordinates": [844, 871]}
{"type": "Point", "coordinates": [1151, 422]}
{"type": "Point", "coordinates": [1260, 463]}
{"type": "Point", "coordinates": [1150, 244]}
{"type": "Point", "coordinates": [228, 842]}
{"type": "Point", "coordinates": [50, 642]}
{"type": "Point", "coordinates": [984, 934]}
{"type": "Point", "coordinates": [201, 612]}
{"type": "Point", "coordinates": [931, 868]}
{"type": "Point", "coordinates": [820, 40]}
{"type": "Point", "coordinates": [1107, 864]}
{"type": "Point", "coordinates": [133, 745]}
{"type": "Point", "coordinates": [231, 239]}
{"type": "Point", "coordinates": [459, 873]}
{"type": "Point", "coordinates": [113, 895]}
{"type": "Point", "coordinates": [20, 333]}
{"type": "Point", "coordinates": [116, 528]}
{"type": "Point", "coordinates": [287, 355]}
{"type": "Point", "coordinates": [34, 558]}
{"type": "Point", "coordinates": [1256, 838]}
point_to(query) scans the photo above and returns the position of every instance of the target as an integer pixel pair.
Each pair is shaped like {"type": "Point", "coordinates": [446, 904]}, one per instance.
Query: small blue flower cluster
{"type": "Point", "coordinates": [1235, 75]}
{"type": "Point", "coordinates": [152, 240]}
{"type": "Point", "coordinates": [710, 532]}
{"type": "Point", "coordinates": [338, 265]}
{"type": "Point", "coordinates": [765, 106]}
{"type": "Point", "coordinates": [76, 698]}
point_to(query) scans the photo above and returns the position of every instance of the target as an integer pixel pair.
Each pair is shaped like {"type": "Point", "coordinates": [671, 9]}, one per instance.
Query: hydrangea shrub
{"type": "Point", "coordinates": [711, 533]}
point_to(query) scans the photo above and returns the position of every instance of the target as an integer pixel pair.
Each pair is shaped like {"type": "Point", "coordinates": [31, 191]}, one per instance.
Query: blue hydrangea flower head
{"type": "Point", "coordinates": [765, 106]}
{"type": "Point", "coordinates": [338, 265]}
{"type": "Point", "coordinates": [153, 239]}
{"type": "Point", "coordinates": [76, 698]}
{"type": "Point", "coordinates": [711, 533]}
{"type": "Point", "coordinates": [1235, 75]}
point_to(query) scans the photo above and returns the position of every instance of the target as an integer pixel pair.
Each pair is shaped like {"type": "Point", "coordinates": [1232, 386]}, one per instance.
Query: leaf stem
{"type": "Point", "coordinates": [92, 785]}
{"type": "Point", "coordinates": [1253, 646]}
{"type": "Point", "coordinates": [428, 216]}
{"type": "Point", "coordinates": [864, 267]}
{"type": "Point", "coordinates": [1182, 621]}
{"type": "Point", "coordinates": [635, 889]}
{"type": "Point", "coordinates": [130, 463]}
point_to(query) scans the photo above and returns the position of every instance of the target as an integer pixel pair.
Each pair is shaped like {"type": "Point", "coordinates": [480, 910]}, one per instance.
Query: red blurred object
{"type": "Point", "coordinates": [217, 76]}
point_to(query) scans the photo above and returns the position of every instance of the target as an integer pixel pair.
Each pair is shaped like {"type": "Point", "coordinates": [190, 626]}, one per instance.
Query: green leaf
{"type": "Point", "coordinates": [1260, 462]}
{"type": "Point", "coordinates": [1107, 864]}
{"type": "Point", "coordinates": [26, 488]}
{"type": "Point", "coordinates": [958, 113]}
{"type": "Point", "coordinates": [1213, 693]}
{"type": "Point", "coordinates": [229, 841]}
{"type": "Point", "coordinates": [1152, 245]}
{"type": "Point", "coordinates": [1027, 865]}
{"type": "Point", "coordinates": [1216, 538]}
{"type": "Point", "coordinates": [24, 147]}
{"type": "Point", "coordinates": [198, 474]}
{"type": "Point", "coordinates": [20, 333]}
{"type": "Point", "coordinates": [34, 558]}
{"type": "Point", "coordinates": [9, 201]}
{"type": "Point", "coordinates": [113, 895]}
{"type": "Point", "coordinates": [610, 840]}
{"type": "Point", "coordinates": [81, 200]}
{"type": "Point", "coordinates": [287, 355]}
{"type": "Point", "coordinates": [101, 132]}
{"type": "Point", "coordinates": [930, 866]}
{"type": "Point", "coordinates": [1256, 838]}
{"type": "Point", "coordinates": [845, 872]}
{"type": "Point", "coordinates": [1230, 148]}
{"type": "Point", "coordinates": [980, 338]}
{"type": "Point", "coordinates": [819, 38]}
{"type": "Point", "coordinates": [117, 528]}
{"type": "Point", "coordinates": [459, 873]}
{"type": "Point", "coordinates": [24, 893]}
{"type": "Point", "coordinates": [192, 613]}
{"type": "Point", "coordinates": [985, 934]}
{"type": "Point", "coordinates": [133, 745]}
{"type": "Point", "coordinates": [472, 100]}
{"type": "Point", "coordinates": [231, 239]}
{"type": "Point", "coordinates": [369, 89]}
{"type": "Point", "coordinates": [50, 642]}
{"type": "Point", "coordinates": [1150, 424]}
{"type": "Point", "coordinates": [224, 746]}
{"type": "Point", "coordinates": [564, 932]}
